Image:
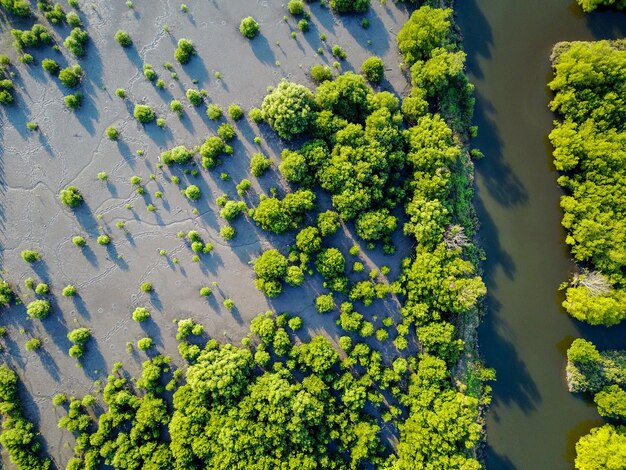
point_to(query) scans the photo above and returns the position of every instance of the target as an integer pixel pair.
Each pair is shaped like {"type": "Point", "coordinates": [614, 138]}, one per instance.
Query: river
{"type": "Point", "coordinates": [534, 422]}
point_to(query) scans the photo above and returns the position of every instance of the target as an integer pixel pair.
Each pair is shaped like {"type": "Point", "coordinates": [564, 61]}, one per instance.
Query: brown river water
{"type": "Point", "coordinates": [534, 422]}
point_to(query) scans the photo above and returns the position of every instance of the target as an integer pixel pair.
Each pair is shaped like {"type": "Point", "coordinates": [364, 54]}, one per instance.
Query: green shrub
{"type": "Point", "coordinates": [270, 269]}
{"type": "Point", "coordinates": [288, 109]}
{"type": "Point", "coordinates": [373, 69]}
{"type": "Point", "coordinates": [38, 309]}
{"type": "Point", "coordinates": [338, 52]}
{"type": "Point", "coordinates": [226, 132]}
{"type": "Point", "coordinates": [348, 6]}
{"type": "Point", "coordinates": [71, 76]}
{"type": "Point", "coordinates": [194, 96]}
{"type": "Point", "coordinates": [79, 241]}
{"type": "Point", "coordinates": [112, 133]}
{"type": "Point", "coordinates": [192, 192]}
{"type": "Point", "coordinates": [76, 42]}
{"type": "Point", "coordinates": [141, 314]}
{"type": "Point", "coordinates": [103, 240]}
{"type": "Point", "coordinates": [33, 344]}
{"type": "Point", "coordinates": [30, 256]}
{"type": "Point", "coordinates": [255, 115]}
{"type": "Point", "coordinates": [50, 66]}
{"type": "Point", "coordinates": [324, 303]}
{"type": "Point", "coordinates": [42, 288]}
{"type": "Point", "coordinates": [295, 7]}
{"type": "Point", "coordinates": [123, 38]}
{"type": "Point", "coordinates": [69, 291]}
{"type": "Point", "coordinates": [184, 51]}
{"type": "Point", "coordinates": [227, 232]}
{"type": "Point", "coordinates": [71, 196]}
{"type": "Point", "coordinates": [235, 112]}
{"type": "Point", "coordinates": [146, 287]}
{"type": "Point", "coordinates": [74, 101]}
{"type": "Point", "coordinates": [320, 73]}
{"type": "Point", "coordinates": [205, 292]}
{"type": "Point", "coordinates": [259, 163]}
{"type": "Point", "coordinates": [149, 72]}
{"type": "Point", "coordinates": [143, 113]}
{"type": "Point", "coordinates": [214, 112]}
{"type": "Point", "coordinates": [249, 28]}
{"type": "Point", "coordinates": [73, 19]}
{"type": "Point", "coordinates": [179, 155]}
{"type": "Point", "coordinates": [177, 107]}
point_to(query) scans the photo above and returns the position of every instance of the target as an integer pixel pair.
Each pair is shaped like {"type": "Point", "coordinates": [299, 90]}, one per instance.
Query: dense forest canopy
{"type": "Point", "coordinates": [590, 143]}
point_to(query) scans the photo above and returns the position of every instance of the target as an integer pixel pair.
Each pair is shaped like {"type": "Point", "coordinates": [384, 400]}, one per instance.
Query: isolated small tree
{"type": "Point", "coordinates": [373, 69]}
{"type": "Point", "coordinates": [143, 113]}
{"type": "Point", "coordinates": [249, 28]}
{"type": "Point", "coordinates": [123, 38]}
{"type": "Point", "coordinates": [30, 256]}
{"type": "Point", "coordinates": [71, 196]}
{"type": "Point", "coordinates": [184, 51]}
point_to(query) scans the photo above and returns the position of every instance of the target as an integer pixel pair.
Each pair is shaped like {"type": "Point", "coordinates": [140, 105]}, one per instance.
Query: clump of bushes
{"type": "Point", "coordinates": [179, 154]}
{"type": "Point", "coordinates": [184, 51]}
{"type": "Point", "coordinates": [78, 336]}
{"type": "Point", "coordinates": [76, 42]}
{"type": "Point", "coordinates": [71, 76]}
{"type": "Point", "coordinates": [288, 109]}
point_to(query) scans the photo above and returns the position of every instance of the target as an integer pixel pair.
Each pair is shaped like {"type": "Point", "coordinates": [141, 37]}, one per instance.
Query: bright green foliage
{"type": "Point", "coordinates": [328, 223]}
{"type": "Point", "coordinates": [141, 314]}
{"type": "Point", "coordinates": [37, 36]}
{"type": "Point", "coordinates": [321, 73]}
{"type": "Point", "coordinates": [214, 112]}
{"type": "Point", "coordinates": [602, 448]}
{"type": "Point", "coordinates": [373, 69]}
{"type": "Point", "coordinates": [42, 289]}
{"type": "Point", "coordinates": [50, 66]}
{"type": "Point", "coordinates": [69, 291]}
{"type": "Point", "coordinates": [211, 149]}
{"type": "Point", "coordinates": [76, 42]}
{"type": "Point", "coordinates": [441, 422]}
{"type": "Point", "coordinates": [17, 7]}
{"type": "Point", "coordinates": [611, 402]}
{"type": "Point", "coordinates": [144, 344]}
{"type": "Point", "coordinates": [32, 344]}
{"type": "Point", "coordinates": [179, 154]}
{"type": "Point", "coordinates": [288, 109]}
{"type": "Point", "coordinates": [249, 28]}
{"type": "Point", "coordinates": [235, 112]}
{"type": "Point", "coordinates": [184, 51]}
{"type": "Point", "coordinates": [330, 263]}
{"type": "Point", "coordinates": [590, 5]}
{"type": "Point", "coordinates": [589, 370]}
{"type": "Point", "coordinates": [375, 225]}
{"type": "Point", "coordinates": [232, 209]}
{"type": "Point", "coordinates": [348, 6]}
{"type": "Point", "coordinates": [295, 7]}
{"type": "Point", "coordinates": [18, 437]}
{"type": "Point", "coordinates": [6, 293]}
{"type": "Point", "coordinates": [123, 38]}
{"type": "Point", "coordinates": [38, 309]}
{"type": "Point", "coordinates": [194, 96]}
{"type": "Point", "coordinates": [590, 143]}
{"type": "Point", "coordinates": [281, 215]}
{"type": "Point", "coordinates": [192, 192]}
{"type": "Point", "coordinates": [226, 132]}
{"type": "Point", "coordinates": [427, 29]}
{"type": "Point", "coordinates": [70, 76]}
{"type": "Point", "coordinates": [30, 256]}
{"type": "Point", "coordinates": [271, 269]}
{"type": "Point", "coordinates": [259, 163]}
{"type": "Point", "coordinates": [143, 113]}
{"type": "Point", "coordinates": [324, 303]}
{"type": "Point", "coordinates": [309, 240]}
{"type": "Point", "coordinates": [71, 196]}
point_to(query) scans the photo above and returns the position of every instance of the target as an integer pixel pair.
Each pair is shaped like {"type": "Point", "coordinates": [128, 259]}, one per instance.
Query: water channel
{"type": "Point", "coordinates": [534, 421]}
